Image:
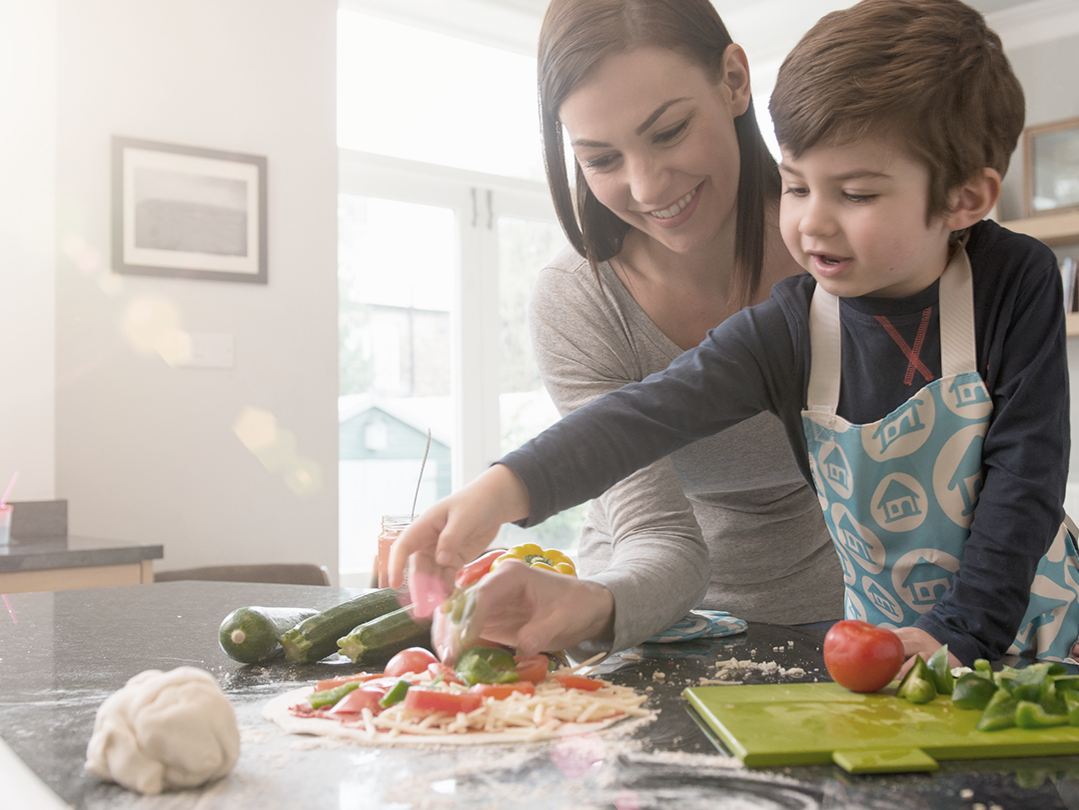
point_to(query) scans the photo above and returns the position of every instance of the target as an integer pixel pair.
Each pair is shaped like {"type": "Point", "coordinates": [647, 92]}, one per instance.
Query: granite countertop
{"type": "Point", "coordinates": [63, 653]}
{"type": "Point", "coordinates": [39, 553]}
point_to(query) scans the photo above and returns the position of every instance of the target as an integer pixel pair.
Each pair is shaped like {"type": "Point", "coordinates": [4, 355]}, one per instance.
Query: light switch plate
{"type": "Point", "coordinates": [205, 350]}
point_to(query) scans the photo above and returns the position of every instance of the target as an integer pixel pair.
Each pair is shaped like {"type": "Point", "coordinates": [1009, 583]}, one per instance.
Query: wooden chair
{"type": "Point", "coordinates": [283, 573]}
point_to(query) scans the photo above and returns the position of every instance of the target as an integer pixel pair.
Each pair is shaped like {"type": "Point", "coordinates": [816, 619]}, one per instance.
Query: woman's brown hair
{"type": "Point", "coordinates": [577, 35]}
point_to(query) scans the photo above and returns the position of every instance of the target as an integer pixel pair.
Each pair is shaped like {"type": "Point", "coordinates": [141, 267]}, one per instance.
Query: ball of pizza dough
{"type": "Point", "coordinates": [164, 730]}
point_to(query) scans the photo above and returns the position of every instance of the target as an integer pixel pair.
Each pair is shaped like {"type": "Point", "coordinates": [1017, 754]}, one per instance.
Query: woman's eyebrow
{"type": "Point", "coordinates": [651, 119]}
{"type": "Point", "coordinates": [662, 108]}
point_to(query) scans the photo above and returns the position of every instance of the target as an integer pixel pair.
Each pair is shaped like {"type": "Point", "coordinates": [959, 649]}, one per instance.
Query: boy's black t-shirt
{"type": "Point", "coordinates": [759, 359]}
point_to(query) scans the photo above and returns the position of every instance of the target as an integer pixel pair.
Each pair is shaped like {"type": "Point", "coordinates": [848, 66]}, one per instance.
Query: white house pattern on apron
{"type": "Point", "coordinates": [898, 495]}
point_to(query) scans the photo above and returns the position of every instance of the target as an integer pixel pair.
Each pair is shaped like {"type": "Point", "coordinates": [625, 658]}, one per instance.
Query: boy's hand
{"type": "Point", "coordinates": [918, 642]}
{"type": "Point", "coordinates": [453, 532]}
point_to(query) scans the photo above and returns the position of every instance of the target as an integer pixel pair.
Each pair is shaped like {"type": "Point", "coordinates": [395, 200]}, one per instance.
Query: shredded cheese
{"type": "Point", "coordinates": [517, 717]}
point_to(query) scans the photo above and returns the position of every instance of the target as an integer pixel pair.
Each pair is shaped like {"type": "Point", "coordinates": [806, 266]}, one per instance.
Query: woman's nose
{"type": "Point", "coordinates": [648, 182]}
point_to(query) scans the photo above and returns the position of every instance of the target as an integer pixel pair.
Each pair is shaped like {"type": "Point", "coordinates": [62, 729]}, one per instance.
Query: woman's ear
{"type": "Point", "coordinates": [736, 78]}
{"type": "Point", "coordinates": [973, 199]}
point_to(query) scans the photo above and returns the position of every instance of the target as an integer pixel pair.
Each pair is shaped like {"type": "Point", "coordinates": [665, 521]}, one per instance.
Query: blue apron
{"type": "Point", "coordinates": [898, 494]}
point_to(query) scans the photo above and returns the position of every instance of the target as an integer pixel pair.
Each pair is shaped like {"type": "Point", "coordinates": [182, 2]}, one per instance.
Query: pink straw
{"type": "Point", "coordinates": [9, 609]}
{"type": "Point", "coordinates": [10, 486]}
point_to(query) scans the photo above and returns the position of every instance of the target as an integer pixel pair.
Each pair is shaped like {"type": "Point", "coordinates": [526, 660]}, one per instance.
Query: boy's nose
{"type": "Point", "coordinates": [816, 219]}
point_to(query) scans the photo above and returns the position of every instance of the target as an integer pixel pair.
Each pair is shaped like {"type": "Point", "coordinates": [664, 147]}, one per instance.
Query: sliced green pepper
{"type": "Point", "coordinates": [973, 691]}
{"type": "Point", "coordinates": [1033, 715]}
{"type": "Point", "coordinates": [395, 694]}
{"type": "Point", "coordinates": [940, 671]}
{"type": "Point", "coordinates": [917, 685]}
{"type": "Point", "coordinates": [999, 712]}
{"type": "Point", "coordinates": [328, 697]}
{"type": "Point", "coordinates": [486, 665]}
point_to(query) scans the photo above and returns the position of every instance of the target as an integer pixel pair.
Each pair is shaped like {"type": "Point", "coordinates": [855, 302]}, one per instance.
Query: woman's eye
{"type": "Point", "coordinates": [796, 191]}
{"type": "Point", "coordinates": [670, 134]}
{"type": "Point", "coordinates": [598, 163]}
{"type": "Point", "coordinates": [859, 198]}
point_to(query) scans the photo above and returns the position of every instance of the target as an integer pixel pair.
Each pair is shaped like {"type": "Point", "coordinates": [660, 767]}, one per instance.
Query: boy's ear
{"type": "Point", "coordinates": [736, 78]}
{"type": "Point", "coordinates": [973, 199]}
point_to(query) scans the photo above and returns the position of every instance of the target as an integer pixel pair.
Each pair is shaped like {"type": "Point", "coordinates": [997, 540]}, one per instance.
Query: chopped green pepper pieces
{"type": "Point", "coordinates": [486, 665]}
{"type": "Point", "coordinates": [940, 671]}
{"type": "Point", "coordinates": [917, 685]}
{"type": "Point", "coordinates": [328, 697]}
{"type": "Point", "coordinates": [973, 691]}
{"type": "Point", "coordinates": [999, 712]}
{"type": "Point", "coordinates": [1033, 715]}
{"type": "Point", "coordinates": [395, 694]}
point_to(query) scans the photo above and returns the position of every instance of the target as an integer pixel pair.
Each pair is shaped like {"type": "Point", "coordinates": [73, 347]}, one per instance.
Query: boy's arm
{"type": "Point", "coordinates": [1022, 355]}
{"type": "Point", "coordinates": [746, 365]}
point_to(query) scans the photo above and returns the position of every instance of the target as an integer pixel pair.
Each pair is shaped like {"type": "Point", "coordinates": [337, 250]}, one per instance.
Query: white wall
{"type": "Point", "coordinates": [27, 209]}
{"type": "Point", "coordinates": [146, 452]}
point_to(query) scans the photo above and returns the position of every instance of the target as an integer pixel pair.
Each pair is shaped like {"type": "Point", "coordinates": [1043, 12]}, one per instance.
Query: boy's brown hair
{"type": "Point", "coordinates": [577, 35]}
{"type": "Point", "coordinates": [929, 72]}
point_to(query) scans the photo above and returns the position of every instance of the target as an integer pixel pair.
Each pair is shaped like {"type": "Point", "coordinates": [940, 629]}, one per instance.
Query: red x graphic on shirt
{"type": "Point", "coordinates": [912, 354]}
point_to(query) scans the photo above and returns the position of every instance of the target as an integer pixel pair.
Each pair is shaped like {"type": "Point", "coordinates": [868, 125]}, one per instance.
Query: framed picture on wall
{"type": "Point", "coordinates": [1051, 168]}
{"type": "Point", "coordinates": [188, 212]}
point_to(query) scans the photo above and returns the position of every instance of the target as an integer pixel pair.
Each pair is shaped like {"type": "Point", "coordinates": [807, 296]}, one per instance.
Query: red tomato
{"type": "Point", "coordinates": [357, 700]}
{"type": "Point", "coordinates": [429, 700]}
{"type": "Point", "coordinates": [477, 569]}
{"type": "Point", "coordinates": [501, 691]}
{"type": "Point", "coordinates": [414, 659]}
{"type": "Point", "coordinates": [579, 682]}
{"type": "Point", "coordinates": [861, 656]}
{"type": "Point", "coordinates": [531, 667]}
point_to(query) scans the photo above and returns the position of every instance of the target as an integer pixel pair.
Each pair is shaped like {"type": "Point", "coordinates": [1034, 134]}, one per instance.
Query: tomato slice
{"type": "Point", "coordinates": [501, 691]}
{"type": "Point", "coordinates": [477, 569]}
{"type": "Point", "coordinates": [532, 667]}
{"type": "Point", "coordinates": [430, 700]}
{"type": "Point", "coordinates": [333, 683]}
{"type": "Point", "coordinates": [579, 682]}
{"type": "Point", "coordinates": [448, 673]}
{"type": "Point", "coordinates": [357, 700]}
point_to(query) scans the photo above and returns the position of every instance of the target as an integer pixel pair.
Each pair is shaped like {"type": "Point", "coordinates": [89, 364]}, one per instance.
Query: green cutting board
{"type": "Point", "coordinates": [807, 723]}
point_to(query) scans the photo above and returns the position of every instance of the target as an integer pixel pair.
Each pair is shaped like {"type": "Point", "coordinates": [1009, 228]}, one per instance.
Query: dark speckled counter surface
{"type": "Point", "coordinates": [63, 653]}
{"type": "Point", "coordinates": [41, 553]}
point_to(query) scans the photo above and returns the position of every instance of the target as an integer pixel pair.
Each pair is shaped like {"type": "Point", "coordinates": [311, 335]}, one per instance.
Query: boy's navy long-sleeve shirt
{"type": "Point", "coordinates": [759, 360]}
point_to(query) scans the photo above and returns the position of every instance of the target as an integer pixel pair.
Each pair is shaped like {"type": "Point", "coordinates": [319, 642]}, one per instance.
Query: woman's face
{"type": "Point", "coordinates": [656, 141]}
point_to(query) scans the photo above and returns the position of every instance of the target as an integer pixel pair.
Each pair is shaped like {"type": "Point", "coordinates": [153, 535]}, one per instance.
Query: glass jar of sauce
{"type": "Point", "coordinates": [392, 526]}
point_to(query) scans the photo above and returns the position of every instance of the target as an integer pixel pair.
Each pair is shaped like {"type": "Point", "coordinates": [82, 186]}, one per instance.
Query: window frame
{"type": "Point", "coordinates": [477, 200]}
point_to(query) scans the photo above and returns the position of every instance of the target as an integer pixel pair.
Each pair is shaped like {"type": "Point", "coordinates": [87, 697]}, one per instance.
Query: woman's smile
{"type": "Point", "coordinates": [678, 213]}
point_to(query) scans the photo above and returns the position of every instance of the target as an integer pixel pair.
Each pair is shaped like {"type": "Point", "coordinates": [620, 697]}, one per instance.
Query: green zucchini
{"type": "Point", "coordinates": [249, 634]}
{"type": "Point", "coordinates": [385, 636]}
{"type": "Point", "coordinates": [316, 637]}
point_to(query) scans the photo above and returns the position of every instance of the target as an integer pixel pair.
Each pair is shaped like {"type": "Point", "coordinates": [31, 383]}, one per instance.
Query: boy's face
{"type": "Point", "coordinates": [854, 217]}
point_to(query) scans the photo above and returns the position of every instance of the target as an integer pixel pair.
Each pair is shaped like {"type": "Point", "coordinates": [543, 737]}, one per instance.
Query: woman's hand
{"type": "Point", "coordinates": [532, 610]}
{"type": "Point", "coordinates": [453, 532]}
{"type": "Point", "coordinates": [918, 642]}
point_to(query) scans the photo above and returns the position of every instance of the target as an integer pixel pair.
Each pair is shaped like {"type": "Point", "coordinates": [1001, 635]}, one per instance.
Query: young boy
{"type": "Point", "coordinates": [919, 366]}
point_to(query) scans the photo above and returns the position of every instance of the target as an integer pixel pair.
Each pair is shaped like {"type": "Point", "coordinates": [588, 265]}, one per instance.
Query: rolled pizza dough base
{"type": "Point", "coordinates": [277, 711]}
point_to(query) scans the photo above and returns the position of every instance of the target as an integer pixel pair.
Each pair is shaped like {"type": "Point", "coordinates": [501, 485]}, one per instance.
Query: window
{"type": "Point", "coordinates": [440, 240]}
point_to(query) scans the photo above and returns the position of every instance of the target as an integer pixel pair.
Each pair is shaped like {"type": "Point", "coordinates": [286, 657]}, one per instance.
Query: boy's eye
{"type": "Point", "coordinates": [670, 134]}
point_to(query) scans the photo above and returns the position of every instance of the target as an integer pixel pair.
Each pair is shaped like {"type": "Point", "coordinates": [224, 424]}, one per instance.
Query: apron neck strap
{"type": "Point", "coordinates": [958, 352]}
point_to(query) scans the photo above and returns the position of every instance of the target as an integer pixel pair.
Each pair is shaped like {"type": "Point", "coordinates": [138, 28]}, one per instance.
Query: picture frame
{"type": "Point", "coordinates": [1051, 168]}
{"type": "Point", "coordinates": [188, 212]}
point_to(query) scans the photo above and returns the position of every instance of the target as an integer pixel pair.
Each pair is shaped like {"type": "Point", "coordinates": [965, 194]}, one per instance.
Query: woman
{"type": "Point", "coordinates": [672, 230]}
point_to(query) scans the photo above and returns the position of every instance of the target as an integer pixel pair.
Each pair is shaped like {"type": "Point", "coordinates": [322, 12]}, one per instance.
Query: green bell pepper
{"type": "Point", "coordinates": [917, 685]}
{"type": "Point", "coordinates": [940, 671]}
{"type": "Point", "coordinates": [486, 665]}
